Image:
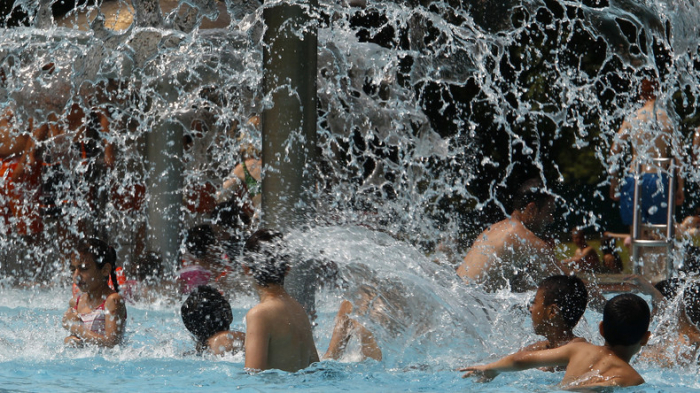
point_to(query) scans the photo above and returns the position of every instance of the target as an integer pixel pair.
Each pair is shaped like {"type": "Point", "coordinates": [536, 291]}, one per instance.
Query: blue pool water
{"type": "Point", "coordinates": [429, 327]}
{"type": "Point", "coordinates": [33, 360]}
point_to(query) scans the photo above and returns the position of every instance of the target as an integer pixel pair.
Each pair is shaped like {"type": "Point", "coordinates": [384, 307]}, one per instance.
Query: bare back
{"type": "Point", "coordinates": [649, 133]}
{"type": "Point", "coordinates": [504, 250]}
{"type": "Point", "coordinates": [593, 365]}
{"type": "Point", "coordinates": [279, 336]}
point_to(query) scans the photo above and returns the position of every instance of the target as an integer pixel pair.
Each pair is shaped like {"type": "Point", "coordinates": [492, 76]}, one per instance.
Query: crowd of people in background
{"type": "Point", "coordinates": [50, 168]}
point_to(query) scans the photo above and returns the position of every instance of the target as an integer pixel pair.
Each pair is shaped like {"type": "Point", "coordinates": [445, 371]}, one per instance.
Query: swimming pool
{"type": "Point", "coordinates": [434, 326]}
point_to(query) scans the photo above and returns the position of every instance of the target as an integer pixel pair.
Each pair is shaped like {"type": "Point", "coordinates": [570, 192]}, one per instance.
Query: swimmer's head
{"type": "Point", "coordinates": [626, 320]}
{"type": "Point", "coordinates": [265, 257]}
{"type": "Point", "coordinates": [691, 295]}
{"type": "Point", "coordinates": [648, 89]}
{"type": "Point", "coordinates": [578, 237]}
{"type": "Point", "coordinates": [533, 198]}
{"type": "Point", "coordinates": [205, 313]}
{"type": "Point", "coordinates": [199, 239]}
{"type": "Point", "coordinates": [100, 253]}
{"type": "Point", "coordinates": [568, 294]}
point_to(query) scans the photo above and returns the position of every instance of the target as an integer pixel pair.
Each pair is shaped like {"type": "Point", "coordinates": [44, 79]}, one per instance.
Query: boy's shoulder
{"type": "Point", "coordinates": [267, 309]}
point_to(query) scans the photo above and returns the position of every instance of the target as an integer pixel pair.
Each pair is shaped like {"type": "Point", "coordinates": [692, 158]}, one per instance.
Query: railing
{"type": "Point", "coordinates": [637, 241]}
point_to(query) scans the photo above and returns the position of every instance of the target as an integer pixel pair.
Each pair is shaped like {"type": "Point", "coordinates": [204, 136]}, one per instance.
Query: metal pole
{"type": "Point", "coordinates": [670, 227]}
{"type": "Point", "coordinates": [636, 220]}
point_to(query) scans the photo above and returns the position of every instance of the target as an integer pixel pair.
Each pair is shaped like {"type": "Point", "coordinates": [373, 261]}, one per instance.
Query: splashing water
{"type": "Point", "coordinates": [429, 112]}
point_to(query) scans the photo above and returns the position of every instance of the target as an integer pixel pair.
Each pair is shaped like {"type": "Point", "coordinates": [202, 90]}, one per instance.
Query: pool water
{"type": "Point", "coordinates": [157, 355]}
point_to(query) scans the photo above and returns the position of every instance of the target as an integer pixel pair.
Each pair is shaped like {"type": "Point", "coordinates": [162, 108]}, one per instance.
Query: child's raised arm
{"type": "Point", "coordinates": [521, 361]}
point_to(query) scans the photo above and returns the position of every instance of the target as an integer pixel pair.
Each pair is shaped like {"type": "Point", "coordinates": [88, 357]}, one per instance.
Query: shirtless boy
{"type": "Point", "coordinates": [509, 250]}
{"type": "Point", "coordinates": [559, 304]}
{"type": "Point", "coordinates": [278, 332]}
{"type": "Point", "coordinates": [680, 338]}
{"type": "Point", "coordinates": [625, 329]}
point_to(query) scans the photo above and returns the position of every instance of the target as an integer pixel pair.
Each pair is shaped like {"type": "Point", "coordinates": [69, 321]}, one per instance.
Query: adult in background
{"type": "Point", "coordinates": [509, 254]}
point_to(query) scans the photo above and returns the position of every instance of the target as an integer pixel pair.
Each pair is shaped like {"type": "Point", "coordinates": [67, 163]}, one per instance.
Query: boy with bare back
{"type": "Point", "coordinates": [625, 329]}
{"type": "Point", "coordinates": [278, 332]}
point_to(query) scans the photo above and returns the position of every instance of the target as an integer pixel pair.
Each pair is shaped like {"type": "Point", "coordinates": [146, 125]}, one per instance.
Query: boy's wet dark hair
{"type": "Point", "coordinates": [691, 295]}
{"type": "Point", "coordinates": [625, 319]}
{"type": "Point", "coordinates": [265, 257]}
{"type": "Point", "coordinates": [101, 253]}
{"type": "Point", "coordinates": [531, 190]}
{"type": "Point", "coordinates": [198, 239]}
{"type": "Point", "coordinates": [205, 313]}
{"type": "Point", "coordinates": [569, 294]}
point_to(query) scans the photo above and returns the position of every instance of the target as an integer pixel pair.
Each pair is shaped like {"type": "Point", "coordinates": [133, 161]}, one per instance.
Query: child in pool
{"type": "Point", "coordinates": [559, 304]}
{"type": "Point", "coordinates": [202, 264]}
{"type": "Point", "coordinates": [97, 314]}
{"type": "Point", "coordinates": [679, 338]}
{"type": "Point", "coordinates": [207, 315]}
{"type": "Point", "coordinates": [278, 332]}
{"type": "Point", "coordinates": [625, 329]}
{"type": "Point", "coordinates": [585, 258]}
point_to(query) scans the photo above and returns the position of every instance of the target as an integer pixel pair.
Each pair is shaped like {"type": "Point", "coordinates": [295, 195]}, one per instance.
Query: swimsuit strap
{"type": "Point", "coordinates": [100, 307]}
{"type": "Point", "coordinates": [251, 183]}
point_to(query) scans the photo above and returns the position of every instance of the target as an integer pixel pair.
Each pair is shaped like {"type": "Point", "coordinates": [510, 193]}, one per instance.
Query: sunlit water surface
{"type": "Point", "coordinates": [454, 325]}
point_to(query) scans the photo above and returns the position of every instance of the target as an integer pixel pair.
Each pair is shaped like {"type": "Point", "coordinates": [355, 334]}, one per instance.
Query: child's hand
{"type": "Point", "coordinates": [482, 373]}
{"type": "Point", "coordinates": [70, 318]}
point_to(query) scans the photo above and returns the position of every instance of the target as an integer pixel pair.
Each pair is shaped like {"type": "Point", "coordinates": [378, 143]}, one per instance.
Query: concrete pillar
{"type": "Point", "coordinates": [289, 126]}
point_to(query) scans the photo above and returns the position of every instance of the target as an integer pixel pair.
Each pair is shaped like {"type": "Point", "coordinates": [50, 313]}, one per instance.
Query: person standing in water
{"type": "Point", "coordinates": [207, 315]}
{"type": "Point", "coordinates": [278, 332]}
{"type": "Point", "coordinates": [244, 183]}
{"type": "Point", "coordinates": [97, 314]}
{"type": "Point", "coordinates": [559, 304]}
{"type": "Point", "coordinates": [509, 254]}
{"type": "Point", "coordinates": [649, 134]}
{"type": "Point", "coordinates": [20, 172]}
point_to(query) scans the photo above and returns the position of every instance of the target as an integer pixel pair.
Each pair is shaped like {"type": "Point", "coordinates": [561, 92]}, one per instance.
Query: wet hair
{"type": "Point", "coordinates": [206, 312]}
{"type": "Point", "coordinates": [198, 239]}
{"type": "Point", "coordinates": [531, 190]}
{"type": "Point", "coordinates": [625, 319]}
{"type": "Point", "coordinates": [691, 295]}
{"type": "Point", "coordinates": [148, 266]}
{"type": "Point", "coordinates": [569, 294]}
{"type": "Point", "coordinates": [265, 257]}
{"type": "Point", "coordinates": [230, 215]}
{"type": "Point", "coordinates": [101, 253]}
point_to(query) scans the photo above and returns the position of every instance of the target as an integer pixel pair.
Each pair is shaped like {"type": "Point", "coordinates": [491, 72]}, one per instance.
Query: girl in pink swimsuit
{"type": "Point", "coordinates": [97, 313]}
